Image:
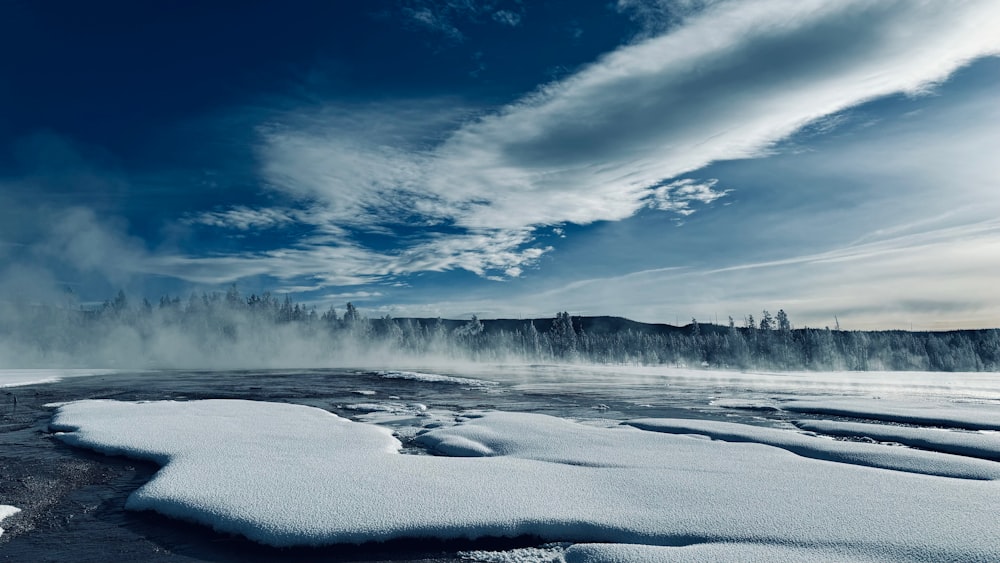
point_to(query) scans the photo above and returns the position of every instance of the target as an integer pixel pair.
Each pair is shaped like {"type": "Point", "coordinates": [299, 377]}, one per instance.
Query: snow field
{"type": "Point", "coordinates": [285, 475]}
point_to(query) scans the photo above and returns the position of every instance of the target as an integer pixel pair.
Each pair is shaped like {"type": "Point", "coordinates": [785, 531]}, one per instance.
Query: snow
{"type": "Point", "coordinates": [435, 378]}
{"type": "Point", "coordinates": [981, 444]}
{"type": "Point", "coordinates": [544, 554]}
{"type": "Point", "coordinates": [968, 415]}
{"type": "Point", "coordinates": [19, 377]}
{"type": "Point", "coordinates": [706, 553]}
{"type": "Point", "coordinates": [6, 511]}
{"type": "Point", "coordinates": [859, 453]}
{"type": "Point", "coordinates": [284, 474]}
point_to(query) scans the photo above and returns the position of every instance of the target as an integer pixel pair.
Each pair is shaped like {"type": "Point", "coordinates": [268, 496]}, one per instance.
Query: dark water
{"type": "Point", "coordinates": [72, 499]}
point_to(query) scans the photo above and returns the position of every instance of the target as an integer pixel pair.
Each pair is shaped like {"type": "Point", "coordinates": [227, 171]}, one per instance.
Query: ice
{"type": "Point", "coordinates": [405, 418]}
{"type": "Point", "coordinates": [435, 378]}
{"type": "Point", "coordinates": [860, 453]}
{"type": "Point", "coordinates": [20, 377]}
{"type": "Point", "coordinates": [286, 474]}
{"type": "Point", "coordinates": [6, 511]}
{"type": "Point", "coordinates": [967, 415]}
{"type": "Point", "coordinates": [983, 445]}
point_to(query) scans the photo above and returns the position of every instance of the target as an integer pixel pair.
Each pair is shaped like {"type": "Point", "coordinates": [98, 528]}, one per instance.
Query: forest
{"type": "Point", "coordinates": [215, 330]}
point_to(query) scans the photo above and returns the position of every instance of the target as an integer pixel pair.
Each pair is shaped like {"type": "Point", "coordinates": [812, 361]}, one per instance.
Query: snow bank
{"type": "Point", "coordinates": [18, 377]}
{"type": "Point", "coordinates": [6, 511]}
{"type": "Point", "coordinates": [858, 453]}
{"type": "Point", "coordinates": [967, 415]}
{"type": "Point", "coordinates": [973, 444]}
{"type": "Point", "coordinates": [288, 474]}
{"type": "Point", "coordinates": [435, 378]}
{"type": "Point", "coordinates": [706, 553]}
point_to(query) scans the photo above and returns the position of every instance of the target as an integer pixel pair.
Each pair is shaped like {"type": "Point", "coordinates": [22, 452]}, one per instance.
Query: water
{"type": "Point", "coordinates": [72, 499]}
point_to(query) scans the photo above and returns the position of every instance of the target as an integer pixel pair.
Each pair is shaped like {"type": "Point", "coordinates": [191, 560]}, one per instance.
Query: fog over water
{"type": "Point", "coordinates": [230, 331]}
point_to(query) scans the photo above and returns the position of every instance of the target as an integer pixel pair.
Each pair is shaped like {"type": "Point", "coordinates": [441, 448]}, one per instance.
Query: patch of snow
{"type": "Point", "coordinates": [6, 511]}
{"type": "Point", "coordinates": [20, 377]}
{"type": "Point", "coordinates": [967, 415]}
{"type": "Point", "coordinates": [858, 453]}
{"type": "Point", "coordinates": [286, 474]}
{"type": "Point", "coordinates": [983, 445]}
{"type": "Point", "coordinates": [707, 553]}
{"type": "Point", "coordinates": [435, 378]}
{"type": "Point", "coordinates": [366, 392]}
{"type": "Point", "coordinates": [549, 553]}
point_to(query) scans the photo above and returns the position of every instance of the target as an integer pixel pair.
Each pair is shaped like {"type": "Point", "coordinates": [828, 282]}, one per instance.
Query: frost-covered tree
{"type": "Point", "coordinates": [563, 336]}
{"type": "Point", "coordinates": [351, 315]}
{"type": "Point", "coordinates": [784, 325]}
{"type": "Point", "coordinates": [766, 321]}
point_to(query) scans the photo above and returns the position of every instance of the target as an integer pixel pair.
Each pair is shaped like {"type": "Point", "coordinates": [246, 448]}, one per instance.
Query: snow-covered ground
{"type": "Point", "coordinates": [648, 490]}
{"type": "Point", "coordinates": [6, 511]}
{"type": "Point", "coordinates": [19, 377]}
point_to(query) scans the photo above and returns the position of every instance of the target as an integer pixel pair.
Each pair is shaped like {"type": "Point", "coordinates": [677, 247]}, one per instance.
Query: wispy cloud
{"type": "Point", "coordinates": [507, 17]}
{"type": "Point", "coordinates": [244, 218]}
{"type": "Point", "coordinates": [728, 82]}
{"type": "Point", "coordinates": [657, 16]}
{"type": "Point", "coordinates": [447, 17]}
{"type": "Point", "coordinates": [354, 295]}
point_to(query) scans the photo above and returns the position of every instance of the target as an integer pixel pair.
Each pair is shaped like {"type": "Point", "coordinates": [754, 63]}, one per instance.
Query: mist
{"type": "Point", "coordinates": [231, 331]}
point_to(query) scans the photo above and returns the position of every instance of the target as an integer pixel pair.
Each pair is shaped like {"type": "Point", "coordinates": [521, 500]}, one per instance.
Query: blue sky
{"type": "Point", "coordinates": [656, 159]}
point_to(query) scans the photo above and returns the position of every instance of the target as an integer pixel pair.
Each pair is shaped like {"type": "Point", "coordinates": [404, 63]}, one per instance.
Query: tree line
{"type": "Point", "coordinates": [228, 329]}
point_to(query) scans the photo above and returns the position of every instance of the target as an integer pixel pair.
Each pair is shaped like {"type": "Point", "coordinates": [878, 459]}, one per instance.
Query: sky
{"type": "Point", "coordinates": [661, 160]}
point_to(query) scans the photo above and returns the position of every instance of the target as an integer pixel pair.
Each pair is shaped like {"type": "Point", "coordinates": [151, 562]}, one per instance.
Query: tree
{"type": "Point", "coordinates": [472, 328]}
{"type": "Point", "coordinates": [233, 298]}
{"type": "Point", "coordinates": [766, 321]}
{"type": "Point", "coordinates": [563, 336]}
{"type": "Point", "coordinates": [351, 315]}
{"type": "Point", "coordinates": [120, 303]}
{"type": "Point", "coordinates": [783, 323]}
{"type": "Point", "coordinates": [330, 316]}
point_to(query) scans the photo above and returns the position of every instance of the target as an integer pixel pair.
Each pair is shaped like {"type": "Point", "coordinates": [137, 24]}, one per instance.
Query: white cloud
{"type": "Point", "coordinates": [355, 295]}
{"type": "Point", "coordinates": [678, 196]}
{"type": "Point", "coordinates": [912, 203]}
{"type": "Point", "coordinates": [728, 82]}
{"type": "Point", "coordinates": [244, 218]}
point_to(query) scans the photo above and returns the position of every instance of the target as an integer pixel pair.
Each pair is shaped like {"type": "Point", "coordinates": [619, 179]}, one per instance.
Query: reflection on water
{"type": "Point", "coordinates": [72, 499]}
